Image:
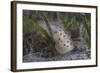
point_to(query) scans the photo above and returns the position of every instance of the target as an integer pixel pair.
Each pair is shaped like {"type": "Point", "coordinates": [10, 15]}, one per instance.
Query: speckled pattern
{"type": "Point", "coordinates": [63, 41]}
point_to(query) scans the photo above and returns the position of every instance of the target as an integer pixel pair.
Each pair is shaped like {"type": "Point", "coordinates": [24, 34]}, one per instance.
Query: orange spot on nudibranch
{"type": "Point", "coordinates": [67, 41]}
{"type": "Point", "coordinates": [67, 46]}
{"type": "Point", "coordinates": [59, 38]}
{"type": "Point", "coordinates": [64, 44]}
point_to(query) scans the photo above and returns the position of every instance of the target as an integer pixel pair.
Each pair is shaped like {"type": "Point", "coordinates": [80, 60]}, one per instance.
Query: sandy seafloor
{"type": "Point", "coordinates": [78, 53]}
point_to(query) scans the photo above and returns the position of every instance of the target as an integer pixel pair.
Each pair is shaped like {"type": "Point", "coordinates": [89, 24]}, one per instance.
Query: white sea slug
{"type": "Point", "coordinates": [63, 41]}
